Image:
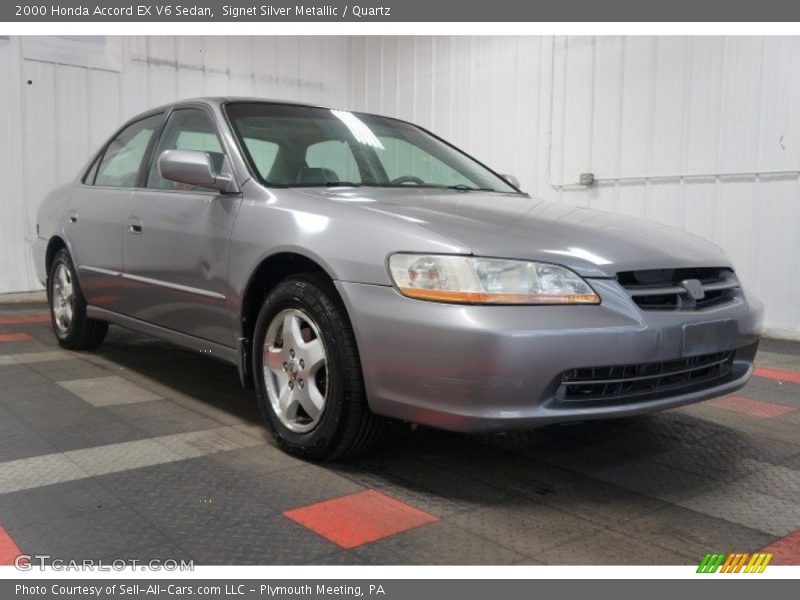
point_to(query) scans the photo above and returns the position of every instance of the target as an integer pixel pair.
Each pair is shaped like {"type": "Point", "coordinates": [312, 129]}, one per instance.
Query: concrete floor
{"type": "Point", "coordinates": [140, 450]}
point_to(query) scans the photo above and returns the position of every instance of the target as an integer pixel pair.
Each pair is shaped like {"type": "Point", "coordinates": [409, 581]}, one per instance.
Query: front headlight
{"type": "Point", "coordinates": [473, 280]}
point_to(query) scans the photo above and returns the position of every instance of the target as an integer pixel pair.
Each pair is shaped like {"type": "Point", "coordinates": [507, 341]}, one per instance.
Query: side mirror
{"type": "Point", "coordinates": [193, 167]}
{"type": "Point", "coordinates": [512, 180]}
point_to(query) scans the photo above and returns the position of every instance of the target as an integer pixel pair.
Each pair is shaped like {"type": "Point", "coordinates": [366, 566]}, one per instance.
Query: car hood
{"type": "Point", "coordinates": [592, 243]}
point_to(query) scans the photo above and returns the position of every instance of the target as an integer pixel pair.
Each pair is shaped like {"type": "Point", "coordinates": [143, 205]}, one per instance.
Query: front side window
{"type": "Point", "coordinates": [323, 147]}
{"type": "Point", "coordinates": [187, 129]}
{"type": "Point", "coordinates": [122, 159]}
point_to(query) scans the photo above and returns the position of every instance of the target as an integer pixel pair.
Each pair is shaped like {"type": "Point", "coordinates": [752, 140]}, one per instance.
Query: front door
{"type": "Point", "coordinates": [176, 240]}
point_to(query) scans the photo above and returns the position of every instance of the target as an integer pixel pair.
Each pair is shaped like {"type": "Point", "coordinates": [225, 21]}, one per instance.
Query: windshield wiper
{"type": "Point", "coordinates": [342, 184]}
{"type": "Point", "coordinates": [465, 188]}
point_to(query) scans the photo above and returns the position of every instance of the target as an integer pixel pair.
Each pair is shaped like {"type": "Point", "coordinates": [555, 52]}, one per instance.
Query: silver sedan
{"type": "Point", "coordinates": [357, 268]}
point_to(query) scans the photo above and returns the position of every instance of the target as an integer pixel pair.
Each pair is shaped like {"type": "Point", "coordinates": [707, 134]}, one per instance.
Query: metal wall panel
{"type": "Point", "coordinates": [39, 145]}
{"type": "Point", "coordinates": [693, 132]}
{"type": "Point", "coordinates": [78, 96]}
{"type": "Point", "coordinates": [15, 257]}
{"type": "Point", "coordinates": [104, 105]}
{"type": "Point", "coordinates": [71, 118]}
{"type": "Point", "coordinates": [689, 131]}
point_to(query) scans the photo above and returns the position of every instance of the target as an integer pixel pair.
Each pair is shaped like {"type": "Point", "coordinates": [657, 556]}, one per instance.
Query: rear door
{"type": "Point", "coordinates": [177, 239]}
{"type": "Point", "coordinates": [96, 212]}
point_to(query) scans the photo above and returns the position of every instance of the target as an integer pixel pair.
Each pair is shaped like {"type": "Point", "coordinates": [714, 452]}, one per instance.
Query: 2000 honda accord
{"type": "Point", "coordinates": [356, 267]}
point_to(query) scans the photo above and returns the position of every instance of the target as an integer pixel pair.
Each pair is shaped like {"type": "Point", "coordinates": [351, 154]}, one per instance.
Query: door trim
{"type": "Point", "coordinates": [157, 282]}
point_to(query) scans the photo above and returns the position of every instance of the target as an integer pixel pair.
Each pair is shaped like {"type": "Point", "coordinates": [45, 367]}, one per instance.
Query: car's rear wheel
{"type": "Point", "coordinates": [73, 329]}
{"type": "Point", "coordinates": [308, 373]}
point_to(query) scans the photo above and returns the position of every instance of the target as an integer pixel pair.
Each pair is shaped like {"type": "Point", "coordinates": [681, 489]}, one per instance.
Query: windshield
{"type": "Point", "coordinates": [304, 146]}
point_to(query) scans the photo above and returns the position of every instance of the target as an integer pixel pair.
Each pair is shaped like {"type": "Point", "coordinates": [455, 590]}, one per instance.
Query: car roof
{"type": "Point", "coordinates": [219, 100]}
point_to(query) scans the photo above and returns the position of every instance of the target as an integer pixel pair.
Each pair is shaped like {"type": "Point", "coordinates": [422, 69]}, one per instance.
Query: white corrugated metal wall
{"type": "Point", "coordinates": [61, 97]}
{"type": "Point", "coordinates": [701, 133]}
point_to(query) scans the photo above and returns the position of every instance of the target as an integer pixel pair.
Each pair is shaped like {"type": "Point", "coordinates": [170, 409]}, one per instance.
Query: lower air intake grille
{"type": "Point", "coordinates": [647, 379]}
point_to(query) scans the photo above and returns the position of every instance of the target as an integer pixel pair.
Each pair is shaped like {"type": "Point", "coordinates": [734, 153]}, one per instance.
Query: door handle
{"type": "Point", "coordinates": [134, 224]}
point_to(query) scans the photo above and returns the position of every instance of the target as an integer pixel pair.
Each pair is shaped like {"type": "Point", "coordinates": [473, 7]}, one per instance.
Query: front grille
{"type": "Point", "coordinates": [665, 289]}
{"type": "Point", "coordinates": [647, 379]}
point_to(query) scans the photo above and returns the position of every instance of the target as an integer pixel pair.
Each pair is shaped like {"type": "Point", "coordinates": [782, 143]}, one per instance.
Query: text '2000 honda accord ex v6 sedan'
{"type": "Point", "coordinates": [357, 268]}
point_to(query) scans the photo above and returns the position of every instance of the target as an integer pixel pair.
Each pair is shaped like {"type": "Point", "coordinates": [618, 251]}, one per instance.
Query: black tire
{"type": "Point", "coordinates": [346, 426]}
{"type": "Point", "coordinates": [82, 333]}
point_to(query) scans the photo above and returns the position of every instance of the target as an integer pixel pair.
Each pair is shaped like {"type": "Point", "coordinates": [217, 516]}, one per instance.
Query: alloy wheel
{"type": "Point", "coordinates": [295, 370]}
{"type": "Point", "coordinates": [63, 299]}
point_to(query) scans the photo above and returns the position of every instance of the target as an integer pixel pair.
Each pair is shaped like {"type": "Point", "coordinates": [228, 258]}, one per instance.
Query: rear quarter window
{"type": "Point", "coordinates": [122, 158]}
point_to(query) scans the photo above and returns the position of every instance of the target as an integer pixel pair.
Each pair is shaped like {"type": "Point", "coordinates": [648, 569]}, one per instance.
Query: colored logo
{"type": "Point", "coordinates": [734, 563]}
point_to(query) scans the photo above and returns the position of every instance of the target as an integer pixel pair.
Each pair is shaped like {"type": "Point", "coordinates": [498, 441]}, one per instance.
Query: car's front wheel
{"type": "Point", "coordinates": [308, 374]}
{"type": "Point", "coordinates": [74, 330]}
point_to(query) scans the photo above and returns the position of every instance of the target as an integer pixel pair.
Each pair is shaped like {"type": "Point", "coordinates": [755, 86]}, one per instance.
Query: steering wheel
{"type": "Point", "coordinates": [407, 179]}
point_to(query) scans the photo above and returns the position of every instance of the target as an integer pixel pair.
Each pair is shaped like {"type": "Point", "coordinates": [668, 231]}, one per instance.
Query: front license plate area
{"type": "Point", "coordinates": [707, 338]}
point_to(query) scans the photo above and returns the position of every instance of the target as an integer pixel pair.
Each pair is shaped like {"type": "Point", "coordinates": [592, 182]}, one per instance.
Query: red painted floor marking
{"type": "Point", "coordinates": [15, 337]}
{"type": "Point", "coordinates": [25, 319]}
{"type": "Point", "coordinates": [8, 549]}
{"type": "Point", "coordinates": [359, 518]}
{"type": "Point", "coordinates": [753, 408]}
{"type": "Point", "coordinates": [786, 550]}
{"type": "Point", "coordinates": [779, 374]}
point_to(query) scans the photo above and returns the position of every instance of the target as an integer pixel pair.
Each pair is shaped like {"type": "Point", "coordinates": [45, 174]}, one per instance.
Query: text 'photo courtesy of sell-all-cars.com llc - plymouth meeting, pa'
{"type": "Point", "coordinates": [357, 268]}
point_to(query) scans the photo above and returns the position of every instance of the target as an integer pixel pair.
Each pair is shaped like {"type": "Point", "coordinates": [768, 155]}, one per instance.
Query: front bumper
{"type": "Point", "coordinates": [39, 250]}
{"type": "Point", "coordinates": [498, 368]}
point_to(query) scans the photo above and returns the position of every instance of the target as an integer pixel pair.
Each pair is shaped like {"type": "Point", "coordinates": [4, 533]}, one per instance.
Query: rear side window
{"type": "Point", "coordinates": [187, 129]}
{"type": "Point", "coordinates": [91, 174]}
{"type": "Point", "coordinates": [122, 159]}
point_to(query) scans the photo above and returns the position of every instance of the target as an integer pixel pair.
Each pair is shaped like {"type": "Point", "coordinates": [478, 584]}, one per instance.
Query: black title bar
{"type": "Point", "coordinates": [400, 11]}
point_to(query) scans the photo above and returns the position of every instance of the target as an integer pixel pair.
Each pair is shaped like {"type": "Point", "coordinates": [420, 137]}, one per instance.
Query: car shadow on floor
{"type": "Point", "coordinates": [637, 462]}
{"type": "Point", "coordinates": [204, 379]}
{"type": "Point", "coordinates": [572, 467]}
